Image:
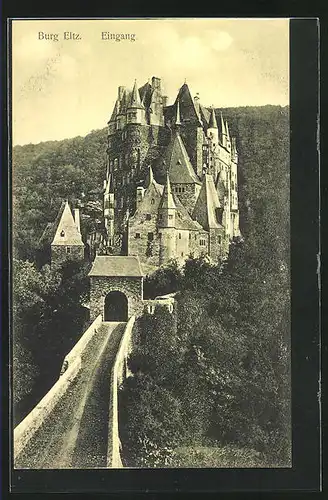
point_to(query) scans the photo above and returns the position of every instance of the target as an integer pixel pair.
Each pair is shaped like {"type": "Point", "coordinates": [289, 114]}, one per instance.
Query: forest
{"type": "Point", "coordinates": [229, 344]}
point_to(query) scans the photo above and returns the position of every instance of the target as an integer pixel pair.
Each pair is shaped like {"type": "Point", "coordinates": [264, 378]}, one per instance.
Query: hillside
{"type": "Point", "coordinates": [239, 321]}
{"type": "Point", "coordinates": [45, 173]}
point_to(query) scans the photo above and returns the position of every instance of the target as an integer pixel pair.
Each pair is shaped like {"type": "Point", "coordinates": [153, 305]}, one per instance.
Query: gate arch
{"type": "Point", "coordinates": [116, 306]}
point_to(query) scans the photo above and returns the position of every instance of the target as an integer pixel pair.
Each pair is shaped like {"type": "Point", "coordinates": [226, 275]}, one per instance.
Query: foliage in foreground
{"type": "Point", "coordinates": [48, 318]}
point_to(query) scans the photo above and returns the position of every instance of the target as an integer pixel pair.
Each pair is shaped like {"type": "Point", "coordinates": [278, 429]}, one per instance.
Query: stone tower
{"type": "Point", "coordinates": [109, 209]}
{"type": "Point", "coordinates": [166, 224]}
{"type": "Point", "coordinates": [67, 243]}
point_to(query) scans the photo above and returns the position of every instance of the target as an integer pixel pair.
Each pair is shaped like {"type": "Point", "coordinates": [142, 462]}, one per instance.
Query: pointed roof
{"type": "Point", "coordinates": [118, 265]}
{"type": "Point", "coordinates": [135, 101]}
{"type": "Point", "coordinates": [205, 210]}
{"type": "Point", "coordinates": [179, 166]}
{"type": "Point", "coordinates": [227, 130]}
{"type": "Point", "coordinates": [67, 232]}
{"type": "Point", "coordinates": [213, 122]}
{"type": "Point", "coordinates": [124, 101]}
{"type": "Point", "coordinates": [177, 120]}
{"type": "Point", "coordinates": [223, 129]}
{"type": "Point", "coordinates": [50, 229]}
{"type": "Point", "coordinates": [167, 200]}
{"type": "Point", "coordinates": [115, 111]}
{"type": "Point", "coordinates": [188, 109]}
{"type": "Point", "coordinates": [150, 180]}
{"type": "Point", "coordinates": [183, 220]}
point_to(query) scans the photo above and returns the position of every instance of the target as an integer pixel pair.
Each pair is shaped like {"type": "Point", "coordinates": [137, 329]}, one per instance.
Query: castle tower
{"type": "Point", "coordinates": [67, 243]}
{"type": "Point", "coordinates": [212, 131]}
{"type": "Point", "coordinates": [135, 108]}
{"type": "Point", "coordinates": [228, 137]}
{"type": "Point", "coordinates": [166, 224]}
{"type": "Point", "coordinates": [185, 183]}
{"type": "Point", "coordinates": [208, 212]}
{"type": "Point", "coordinates": [223, 132]}
{"type": "Point", "coordinates": [109, 210]}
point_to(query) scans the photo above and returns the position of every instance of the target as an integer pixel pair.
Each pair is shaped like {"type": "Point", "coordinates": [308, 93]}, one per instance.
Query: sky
{"type": "Point", "coordinates": [66, 88]}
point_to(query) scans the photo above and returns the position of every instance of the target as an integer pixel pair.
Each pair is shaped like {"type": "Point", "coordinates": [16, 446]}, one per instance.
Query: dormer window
{"type": "Point", "coordinates": [62, 234]}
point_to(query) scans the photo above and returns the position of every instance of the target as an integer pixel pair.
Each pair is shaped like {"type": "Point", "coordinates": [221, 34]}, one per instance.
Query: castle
{"type": "Point", "coordinates": [171, 187]}
{"type": "Point", "coordinates": [171, 183]}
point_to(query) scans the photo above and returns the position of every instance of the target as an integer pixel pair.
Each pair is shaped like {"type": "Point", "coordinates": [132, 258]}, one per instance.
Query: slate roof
{"type": "Point", "coordinates": [135, 101]}
{"type": "Point", "coordinates": [116, 266]}
{"type": "Point", "coordinates": [179, 166]}
{"type": "Point", "coordinates": [167, 200]}
{"type": "Point", "coordinates": [183, 219]}
{"type": "Point", "coordinates": [115, 111]}
{"type": "Point", "coordinates": [205, 210]}
{"type": "Point", "coordinates": [67, 232]}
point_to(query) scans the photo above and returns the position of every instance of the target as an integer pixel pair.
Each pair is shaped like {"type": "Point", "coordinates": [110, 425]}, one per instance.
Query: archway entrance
{"type": "Point", "coordinates": [116, 307]}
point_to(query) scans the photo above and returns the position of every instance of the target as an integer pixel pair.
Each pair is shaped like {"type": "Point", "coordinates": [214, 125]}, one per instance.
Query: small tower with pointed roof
{"type": "Point", "coordinates": [212, 131]}
{"type": "Point", "coordinates": [67, 243]}
{"type": "Point", "coordinates": [109, 209]}
{"type": "Point", "coordinates": [135, 109]}
{"type": "Point", "coordinates": [167, 212]}
{"type": "Point", "coordinates": [223, 133]}
{"type": "Point", "coordinates": [228, 136]}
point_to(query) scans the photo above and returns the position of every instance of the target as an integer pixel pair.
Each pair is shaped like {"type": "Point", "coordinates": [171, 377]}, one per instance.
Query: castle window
{"type": "Point", "coordinates": [195, 236]}
{"type": "Point", "coordinates": [170, 216]}
{"type": "Point", "coordinates": [137, 236]}
{"type": "Point", "coordinates": [190, 236]}
{"type": "Point", "coordinates": [160, 217]}
{"type": "Point", "coordinates": [148, 216]}
{"type": "Point", "coordinates": [150, 236]}
{"type": "Point", "coordinates": [181, 254]}
{"type": "Point", "coordinates": [152, 201]}
{"type": "Point", "coordinates": [62, 234]}
{"type": "Point", "coordinates": [179, 236]}
{"type": "Point", "coordinates": [68, 249]}
{"type": "Point", "coordinates": [202, 242]}
{"type": "Point", "coordinates": [220, 239]}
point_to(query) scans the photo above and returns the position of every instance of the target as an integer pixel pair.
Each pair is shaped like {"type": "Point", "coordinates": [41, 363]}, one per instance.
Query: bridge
{"type": "Point", "coordinates": [76, 424]}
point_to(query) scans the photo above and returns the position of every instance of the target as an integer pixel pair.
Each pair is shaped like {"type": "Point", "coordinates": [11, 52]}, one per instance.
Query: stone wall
{"type": "Point", "coordinates": [100, 286]}
{"type": "Point", "coordinates": [59, 253]}
{"type": "Point", "coordinates": [119, 372]}
{"type": "Point", "coordinates": [72, 364]}
{"type": "Point", "coordinates": [195, 247]}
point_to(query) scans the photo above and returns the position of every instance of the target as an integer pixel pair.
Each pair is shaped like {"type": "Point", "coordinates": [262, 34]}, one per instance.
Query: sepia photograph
{"type": "Point", "coordinates": [151, 294]}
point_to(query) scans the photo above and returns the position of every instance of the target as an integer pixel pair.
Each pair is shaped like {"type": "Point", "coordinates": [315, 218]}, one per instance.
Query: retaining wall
{"type": "Point", "coordinates": [72, 364]}
{"type": "Point", "coordinates": [118, 374]}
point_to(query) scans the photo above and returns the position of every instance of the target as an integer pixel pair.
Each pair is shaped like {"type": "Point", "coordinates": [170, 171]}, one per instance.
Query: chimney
{"type": "Point", "coordinates": [156, 83]}
{"type": "Point", "coordinates": [164, 100]}
{"type": "Point", "coordinates": [77, 218]}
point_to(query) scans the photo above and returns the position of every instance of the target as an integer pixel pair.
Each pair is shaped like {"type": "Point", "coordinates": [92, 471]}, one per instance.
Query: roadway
{"type": "Point", "coordinates": [75, 435]}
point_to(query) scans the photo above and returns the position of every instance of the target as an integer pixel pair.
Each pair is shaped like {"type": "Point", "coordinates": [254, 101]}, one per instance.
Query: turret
{"type": "Point", "coordinates": [228, 137]}
{"type": "Point", "coordinates": [109, 209]}
{"type": "Point", "coordinates": [223, 132]}
{"type": "Point", "coordinates": [167, 207]}
{"type": "Point", "coordinates": [212, 131]}
{"type": "Point", "coordinates": [135, 108]}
